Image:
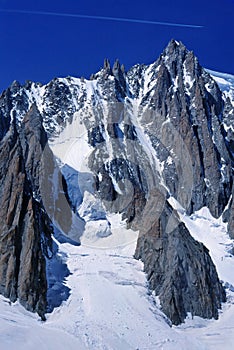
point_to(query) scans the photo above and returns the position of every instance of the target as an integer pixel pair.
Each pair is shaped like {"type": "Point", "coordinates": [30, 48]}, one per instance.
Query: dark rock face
{"type": "Point", "coordinates": [187, 118]}
{"type": "Point", "coordinates": [58, 99]}
{"type": "Point", "coordinates": [154, 132]}
{"type": "Point", "coordinates": [187, 97]}
{"type": "Point", "coordinates": [24, 223]}
{"type": "Point", "coordinates": [131, 180]}
{"type": "Point", "coordinates": [179, 270]}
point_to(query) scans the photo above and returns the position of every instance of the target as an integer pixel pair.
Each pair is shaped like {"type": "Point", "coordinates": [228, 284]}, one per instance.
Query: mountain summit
{"type": "Point", "coordinates": [153, 145]}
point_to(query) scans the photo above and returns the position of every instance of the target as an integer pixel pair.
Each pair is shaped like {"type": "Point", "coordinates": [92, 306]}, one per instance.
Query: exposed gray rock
{"type": "Point", "coordinates": [24, 222]}
{"type": "Point", "coordinates": [179, 270]}
{"type": "Point", "coordinates": [186, 117]}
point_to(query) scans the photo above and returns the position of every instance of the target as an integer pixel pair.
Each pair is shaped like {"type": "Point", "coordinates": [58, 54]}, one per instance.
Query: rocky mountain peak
{"type": "Point", "coordinates": [180, 61]}
{"type": "Point", "coordinates": [15, 86]}
{"type": "Point", "coordinates": [106, 64]}
{"type": "Point", "coordinates": [134, 141]}
{"type": "Point", "coordinates": [174, 48]}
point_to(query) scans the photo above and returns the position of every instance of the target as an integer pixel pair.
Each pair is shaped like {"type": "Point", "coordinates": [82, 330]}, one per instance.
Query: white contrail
{"type": "Point", "coordinates": [118, 19]}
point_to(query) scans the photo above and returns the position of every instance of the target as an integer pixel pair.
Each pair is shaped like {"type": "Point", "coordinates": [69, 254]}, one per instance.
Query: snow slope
{"type": "Point", "coordinates": [20, 329]}
{"type": "Point", "coordinates": [225, 82]}
{"type": "Point", "coordinates": [109, 306]}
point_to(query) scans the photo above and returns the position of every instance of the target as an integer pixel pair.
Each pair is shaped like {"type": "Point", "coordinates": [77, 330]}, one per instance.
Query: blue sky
{"type": "Point", "coordinates": [39, 47]}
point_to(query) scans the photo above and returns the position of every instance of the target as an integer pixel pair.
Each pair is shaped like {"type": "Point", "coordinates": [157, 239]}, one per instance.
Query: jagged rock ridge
{"type": "Point", "coordinates": [154, 132]}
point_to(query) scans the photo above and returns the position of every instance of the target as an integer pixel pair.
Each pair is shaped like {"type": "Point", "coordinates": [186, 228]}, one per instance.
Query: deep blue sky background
{"type": "Point", "coordinates": [39, 48]}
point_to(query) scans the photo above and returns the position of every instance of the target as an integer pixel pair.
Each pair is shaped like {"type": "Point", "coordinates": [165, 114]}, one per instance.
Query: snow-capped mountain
{"type": "Point", "coordinates": [125, 163]}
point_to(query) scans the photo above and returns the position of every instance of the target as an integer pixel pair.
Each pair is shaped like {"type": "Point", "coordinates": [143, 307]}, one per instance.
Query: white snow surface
{"type": "Point", "coordinates": [110, 307]}
{"type": "Point", "coordinates": [72, 147]}
{"type": "Point", "coordinates": [225, 82]}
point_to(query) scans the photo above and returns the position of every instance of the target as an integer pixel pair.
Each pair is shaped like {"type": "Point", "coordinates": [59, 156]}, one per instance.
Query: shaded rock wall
{"type": "Point", "coordinates": [24, 223]}
{"type": "Point", "coordinates": [179, 270]}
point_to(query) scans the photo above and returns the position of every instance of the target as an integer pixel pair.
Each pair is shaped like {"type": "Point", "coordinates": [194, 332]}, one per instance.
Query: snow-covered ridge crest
{"type": "Point", "coordinates": [222, 79]}
{"type": "Point", "coordinates": [225, 82]}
